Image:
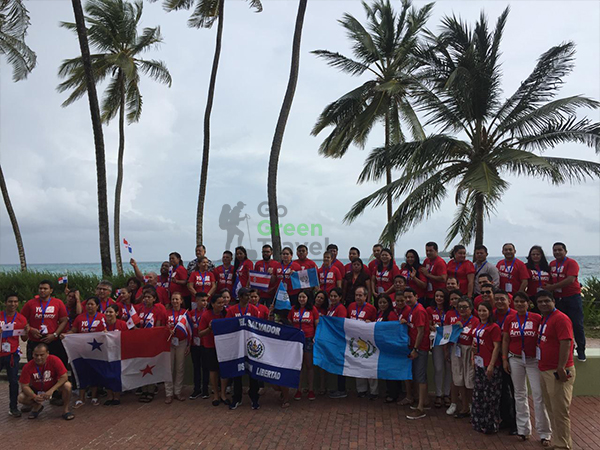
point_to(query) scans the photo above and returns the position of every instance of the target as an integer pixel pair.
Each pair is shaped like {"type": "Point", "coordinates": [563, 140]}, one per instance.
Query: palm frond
{"type": "Point", "coordinates": [157, 70]}
{"type": "Point", "coordinates": [18, 55]}
{"type": "Point", "coordinates": [341, 62]}
{"type": "Point", "coordinates": [561, 132]}
{"type": "Point", "coordinates": [205, 14]}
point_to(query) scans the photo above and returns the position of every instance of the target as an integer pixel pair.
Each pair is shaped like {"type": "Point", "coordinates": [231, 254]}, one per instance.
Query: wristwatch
{"type": "Point", "coordinates": [55, 335]}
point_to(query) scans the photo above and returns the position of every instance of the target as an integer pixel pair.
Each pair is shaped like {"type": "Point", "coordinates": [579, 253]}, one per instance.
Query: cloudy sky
{"type": "Point", "coordinates": [48, 155]}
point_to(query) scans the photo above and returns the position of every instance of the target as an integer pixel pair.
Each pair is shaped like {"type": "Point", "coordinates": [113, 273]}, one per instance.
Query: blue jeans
{"type": "Point", "coordinates": [573, 308]}
{"type": "Point", "coordinates": [11, 363]}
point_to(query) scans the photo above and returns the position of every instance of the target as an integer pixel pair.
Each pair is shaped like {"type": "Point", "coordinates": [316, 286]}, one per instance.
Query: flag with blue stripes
{"type": "Point", "coordinates": [363, 350]}
{"type": "Point", "coordinates": [282, 299]}
{"type": "Point", "coordinates": [305, 279]}
{"type": "Point", "coordinates": [265, 350]}
{"type": "Point", "coordinates": [446, 334]}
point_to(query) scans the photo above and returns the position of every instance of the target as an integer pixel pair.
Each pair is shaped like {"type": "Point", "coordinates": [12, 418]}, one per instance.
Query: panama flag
{"type": "Point", "coordinates": [363, 350]}
{"type": "Point", "coordinates": [260, 280]}
{"type": "Point", "coordinates": [63, 280]}
{"type": "Point", "coordinates": [282, 299]}
{"type": "Point", "coordinates": [120, 360]}
{"type": "Point", "coordinates": [8, 330]}
{"type": "Point", "coordinates": [127, 246]}
{"type": "Point", "coordinates": [305, 279]}
{"type": "Point", "coordinates": [132, 319]}
{"type": "Point", "coordinates": [446, 334]}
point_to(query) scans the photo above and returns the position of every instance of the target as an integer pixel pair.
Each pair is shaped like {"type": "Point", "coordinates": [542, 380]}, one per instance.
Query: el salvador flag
{"type": "Point", "coordinates": [363, 350]}
{"type": "Point", "coordinates": [282, 299]}
{"type": "Point", "coordinates": [446, 334]}
{"type": "Point", "coordinates": [305, 279]}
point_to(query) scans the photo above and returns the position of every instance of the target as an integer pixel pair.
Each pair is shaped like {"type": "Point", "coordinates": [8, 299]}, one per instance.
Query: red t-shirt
{"type": "Point", "coordinates": [476, 302]}
{"type": "Point", "coordinates": [373, 266]}
{"type": "Point", "coordinates": [502, 318]}
{"type": "Point", "coordinates": [208, 340]}
{"type": "Point", "coordinates": [50, 373]}
{"type": "Point", "coordinates": [19, 322]}
{"type": "Point", "coordinates": [436, 316]}
{"type": "Point", "coordinates": [411, 283]}
{"type": "Point", "coordinates": [149, 317]}
{"type": "Point", "coordinates": [460, 272]}
{"type": "Point", "coordinates": [238, 311]}
{"type": "Point", "coordinates": [466, 335]}
{"type": "Point", "coordinates": [416, 316]}
{"type": "Point", "coordinates": [242, 275]}
{"type": "Point", "coordinates": [451, 317]}
{"type": "Point", "coordinates": [263, 267]}
{"type": "Point", "coordinates": [306, 264]}
{"type": "Point", "coordinates": [202, 282]}
{"type": "Point", "coordinates": [435, 267]}
{"type": "Point", "coordinates": [392, 317]}
{"type": "Point", "coordinates": [348, 269]}
{"type": "Point", "coordinates": [366, 312]}
{"type": "Point", "coordinates": [401, 311]}
{"type": "Point", "coordinates": [85, 323]}
{"type": "Point", "coordinates": [179, 273]}
{"type": "Point", "coordinates": [308, 322]}
{"type": "Point", "coordinates": [539, 279]}
{"type": "Point", "coordinates": [224, 278]}
{"type": "Point", "coordinates": [553, 329]}
{"type": "Point", "coordinates": [338, 311]}
{"type": "Point", "coordinates": [333, 277]}
{"type": "Point", "coordinates": [52, 310]}
{"type": "Point", "coordinates": [284, 273]}
{"type": "Point", "coordinates": [172, 318]}
{"type": "Point", "coordinates": [384, 279]}
{"type": "Point", "coordinates": [119, 325]}
{"type": "Point", "coordinates": [263, 311]}
{"type": "Point", "coordinates": [512, 274]}
{"type": "Point", "coordinates": [163, 294]}
{"type": "Point", "coordinates": [559, 272]}
{"type": "Point", "coordinates": [528, 339]}
{"type": "Point", "coordinates": [484, 337]}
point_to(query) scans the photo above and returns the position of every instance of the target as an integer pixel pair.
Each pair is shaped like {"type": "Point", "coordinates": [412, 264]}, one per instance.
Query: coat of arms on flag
{"type": "Point", "coordinates": [305, 279]}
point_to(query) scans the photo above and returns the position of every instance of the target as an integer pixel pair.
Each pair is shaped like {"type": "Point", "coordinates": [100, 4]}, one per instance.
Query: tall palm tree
{"type": "Point", "coordinates": [113, 32]}
{"type": "Point", "coordinates": [461, 94]}
{"type": "Point", "coordinates": [14, 21]}
{"type": "Point", "coordinates": [384, 47]}
{"type": "Point", "coordinates": [204, 15]}
{"type": "Point", "coordinates": [284, 113]}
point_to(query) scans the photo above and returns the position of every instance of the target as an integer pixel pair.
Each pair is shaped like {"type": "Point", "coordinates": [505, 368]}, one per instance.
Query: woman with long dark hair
{"type": "Point", "coordinates": [538, 266]}
{"type": "Point", "coordinates": [410, 271]}
{"type": "Point", "coordinates": [357, 277]}
{"type": "Point", "coordinates": [441, 366]}
{"type": "Point", "coordinates": [382, 279]}
{"type": "Point", "coordinates": [241, 269]}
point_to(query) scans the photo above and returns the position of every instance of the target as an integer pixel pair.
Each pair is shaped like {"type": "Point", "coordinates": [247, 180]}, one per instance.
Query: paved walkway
{"type": "Point", "coordinates": [349, 423]}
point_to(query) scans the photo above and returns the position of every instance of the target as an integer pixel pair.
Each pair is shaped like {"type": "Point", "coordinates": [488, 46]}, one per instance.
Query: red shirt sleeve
{"type": "Point", "coordinates": [572, 269]}
{"type": "Point", "coordinates": [524, 272]}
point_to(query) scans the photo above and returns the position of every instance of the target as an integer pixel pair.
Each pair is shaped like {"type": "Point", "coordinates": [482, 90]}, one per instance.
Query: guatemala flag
{"type": "Point", "coordinates": [265, 350]}
{"type": "Point", "coordinates": [120, 360]}
{"type": "Point", "coordinates": [447, 333]}
{"type": "Point", "coordinates": [363, 350]}
{"type": "Point", "coordinates": [305, 279]}
{"type": "Point", "coordinates": [282, 299]}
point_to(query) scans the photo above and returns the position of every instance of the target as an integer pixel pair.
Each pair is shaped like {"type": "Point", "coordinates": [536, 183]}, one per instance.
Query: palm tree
{"type": "Point", "coordinates": [14, 21]}
{"type": "Point", "coordinates": [280, 129]}
{"type": "Point", "coordinates": [113, 31]}
{"type": "Point", "coordinates": [204, 15]}
{"type": "Point", "coordinates": [385, 48]}
{"type": "Point", "coordinates": [461, 94]}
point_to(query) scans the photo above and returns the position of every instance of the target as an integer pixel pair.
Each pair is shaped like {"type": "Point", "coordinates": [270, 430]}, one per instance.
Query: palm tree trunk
{"type": "Point", "coordinates": [388, 172]}
{"type": "Point", "coordinates": [119, 184]}
{"type": "Point", "coordinates": [207, 113]}
{"type": "Point", "coordinates": [280, 129]}
{"type": "Point", "coordinates": [13, 221]}
{"type": "Point", "coordinates": [103, 227]}
{"type": "Point", "coordinates": [478, 220]}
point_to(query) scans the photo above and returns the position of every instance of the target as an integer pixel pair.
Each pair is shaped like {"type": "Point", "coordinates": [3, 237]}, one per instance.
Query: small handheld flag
{"type": "Point", "coordinates": [446, 334]}
{"type": "Point", "coordinates": [305, 279]}
{"type": "Point", "coordinates": [133, 319]}
{"type": "Point", "coordinates": [260, 280]}
{"type": "Point", "coordinates": [127, 246]}
{"type": "Point", "coordinates": [63, 280]}
{"type": "Point", "coordinates": [282, 299]}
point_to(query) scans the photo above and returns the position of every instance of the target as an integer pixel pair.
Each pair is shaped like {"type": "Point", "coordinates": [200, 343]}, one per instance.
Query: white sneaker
{"type": "Point", "coordinates": [451, 409]}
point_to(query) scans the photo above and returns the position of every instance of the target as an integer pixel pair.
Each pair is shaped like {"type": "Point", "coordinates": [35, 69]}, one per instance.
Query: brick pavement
{"type": "Point", "coordinates": [349, 423]}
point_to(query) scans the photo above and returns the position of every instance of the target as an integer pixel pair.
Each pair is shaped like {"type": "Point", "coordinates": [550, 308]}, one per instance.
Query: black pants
{"type": "Point", "coordinates": [341, 383]}
{"type": "Point", "coordinates": [237, 390]}
{"type": "Point", "coordinates": [394, 388]}
{"type": "Point", "coordinates": [11, 363]}
{"type": "Point", "coordinates": [201, 374]}
{"type": "Point", "coordinates": [508, 415]}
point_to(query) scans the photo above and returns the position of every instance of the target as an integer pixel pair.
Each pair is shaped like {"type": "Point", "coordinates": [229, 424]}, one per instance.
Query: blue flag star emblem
{"type": "Point", "coordinates": [96, 345]}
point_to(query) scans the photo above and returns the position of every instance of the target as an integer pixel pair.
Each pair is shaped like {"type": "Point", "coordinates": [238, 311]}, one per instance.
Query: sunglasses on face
{"type": "Point", "coordinates": [486, 292]}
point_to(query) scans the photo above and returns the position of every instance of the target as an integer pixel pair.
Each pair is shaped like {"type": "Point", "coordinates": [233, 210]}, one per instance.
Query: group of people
{"type": "Point", "coordinates": [518, 323]}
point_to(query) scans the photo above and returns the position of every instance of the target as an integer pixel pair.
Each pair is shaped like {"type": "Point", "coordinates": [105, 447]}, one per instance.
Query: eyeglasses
{"type": "Point", "coordinates": [486, 292]}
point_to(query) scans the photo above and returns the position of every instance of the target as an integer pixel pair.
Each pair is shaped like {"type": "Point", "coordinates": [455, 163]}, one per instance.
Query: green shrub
{"type": "Point", "coordinates": [591, 301]}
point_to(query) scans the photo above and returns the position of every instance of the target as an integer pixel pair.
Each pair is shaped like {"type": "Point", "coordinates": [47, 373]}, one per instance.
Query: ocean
{"type": "Point", "coordinates": [588, 266]}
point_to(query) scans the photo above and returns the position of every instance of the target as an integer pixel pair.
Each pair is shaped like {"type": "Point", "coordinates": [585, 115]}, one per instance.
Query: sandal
{"type": "Point", "coordinates": [169, 400]}
{"type": "Point", "coordinates": [285, 405]}
{"type": "Point", "coordinates": [545, 442]}
{"type": "Point", "coordinates": [438, 402]}
{"type": "Point", "coordinates": [447, 401]}
{"type": "Point", "coordinates": [68, 416]}
{"type": "Point", "coordinates": [78, 404]}
{"type": "Point", "coordinates": [95, 402]}
{"type": "Point", "coordinates": [406, 401]}
{"type": "Point", "coordinates": [216, 402]}
{"type": "Point", "coordinates": [523, 437]}
{"type": "Point", "coordinates": [34, 414]}
{"type": "Point", "coordinates": [145, 398]}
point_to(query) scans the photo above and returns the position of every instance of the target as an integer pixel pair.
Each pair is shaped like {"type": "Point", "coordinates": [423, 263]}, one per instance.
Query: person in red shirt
{"type": "Point", "coordinates": [385, 309]}
{"type": "Point", "coordinates": [165, 276]}
{"type": "Point", "coordinates": [321, 303]}
{"type": "Point", "coordinates": [434, 270]}
{"type": "Point", "coordinates": [539, 271]}
{"type": "Point", "coordinates": [462, 269]}
{"type": "Point", "coordinates": [241, 269]}
{"type": "Point", "coordinates": [411, 273]}
{"type": "Point", "coordinates": [283, 273]}
{"type": "Point", "coordinates": [357, 277]}
{"type": "Point", "coordinates": [202, 280]}
{"type": "Point", "coordinates": [353, 255]}
{"type": "Point", "coordinates": [418, 331]}
{"type": "Point", "coordinates": [177, 322]}
{"type": "Point", "coordinates": [47, 318]}
{"type": "Point", "coordinates": [519, 341]}
{"type": "Point", "coordinates": [382, 279]}
{"type": "Point", "coordinates": [452, 284]}
{"type": "Point", "coordinates": [329, 275]}
{"type": "Point", "coordinates": [303, 261]}
{"type": "Point", "coordinates": [215, 310]}
{"type": "Point", "coordinates": [152, 313]}
{"type": "Point", "coordinates": [372, 266]}
{"type": "Point", "coordinates": [441, 366]}
{"type": "Point", "coordinates": [103, 294]}
{"type": "Point", "coordinates": [305, 316]}
{"type": "Point", "coordinates": [485, 409]}
{"type": "Point", "coordinates": [114, 324]}
{"type": "Point", "coordinates": [555, 361]}
{"type": "Point", "coordinates": [336, 307]}
{"type": "Point", "coordinates": [201, 377]}
{"type": "Point", "coordinates": [514, 275]}
{"type": "Point", "coordinates": [263, 311]}
{"type": "Point", "coordinates": [487, 295]}
{"type": "Point", "coordinates": [225, 273]}
{"type": "Point", "coordinates": [567, 291]}
{"type": "Point", "coordinates": [149, 279]}
{"type": "Point", "coordinates": [399, 286]}
{"type": "Point", "coordinates": [126, 309]}
{"type": "Point", "coordinates": [267, 265]}
{"type": "Point", "coordinates": [11, 320]}
{"type": "Point", "coordinates": [73, 305]}
{"type": "Point", "coordinates": [333, 250]}
{"type": "Point", "coordinates": [40, 378]}
{"type": "Point", "coordinates": [178, 278]}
